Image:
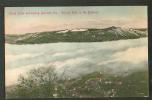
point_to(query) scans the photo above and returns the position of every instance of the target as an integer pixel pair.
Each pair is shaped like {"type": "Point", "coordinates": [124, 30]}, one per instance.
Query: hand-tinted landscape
{"type": "Point", "coordinates": [76, 58]}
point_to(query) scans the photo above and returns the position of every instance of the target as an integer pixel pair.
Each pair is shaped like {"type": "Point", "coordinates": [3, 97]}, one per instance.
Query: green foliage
{"type": "Point", "coordinates": [43, 83]}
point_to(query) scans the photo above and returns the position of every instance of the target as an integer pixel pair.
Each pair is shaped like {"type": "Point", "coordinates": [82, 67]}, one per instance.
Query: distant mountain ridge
{"type": "Point", "coordinates": [78, 35]}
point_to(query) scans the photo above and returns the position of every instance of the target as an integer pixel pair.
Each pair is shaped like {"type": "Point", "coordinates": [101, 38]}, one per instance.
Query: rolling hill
{"type": "Point", "coordinates": [77, 35]}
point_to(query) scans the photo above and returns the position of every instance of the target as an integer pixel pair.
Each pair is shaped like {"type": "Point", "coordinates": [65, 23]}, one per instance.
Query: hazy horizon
{"type": "Point", "coordinates": [21, 20]}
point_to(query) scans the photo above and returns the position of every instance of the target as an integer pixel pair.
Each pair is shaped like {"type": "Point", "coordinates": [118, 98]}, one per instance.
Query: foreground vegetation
{"type": "Point", "coordinates": [44, 83]}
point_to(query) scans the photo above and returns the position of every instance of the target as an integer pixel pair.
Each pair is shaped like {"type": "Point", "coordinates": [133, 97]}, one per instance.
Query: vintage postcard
{"type": "Point", "coordinates": [76, 52]}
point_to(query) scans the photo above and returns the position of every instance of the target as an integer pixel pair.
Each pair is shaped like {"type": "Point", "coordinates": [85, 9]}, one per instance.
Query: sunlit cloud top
{"type": "Point", "coordinates": [20, 20]}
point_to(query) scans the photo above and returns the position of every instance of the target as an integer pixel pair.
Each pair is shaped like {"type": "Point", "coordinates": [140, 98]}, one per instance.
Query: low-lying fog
{"type": "Point", "coordinates": [120, 57]}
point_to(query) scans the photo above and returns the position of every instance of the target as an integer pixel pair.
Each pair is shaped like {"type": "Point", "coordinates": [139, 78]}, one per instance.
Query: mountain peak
{"type": "Point", "coordinates": [112, 28]}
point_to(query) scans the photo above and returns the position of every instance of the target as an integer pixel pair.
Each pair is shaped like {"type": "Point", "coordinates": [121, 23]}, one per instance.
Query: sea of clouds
{"type": "Point", "coordinates": [121, 57]}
